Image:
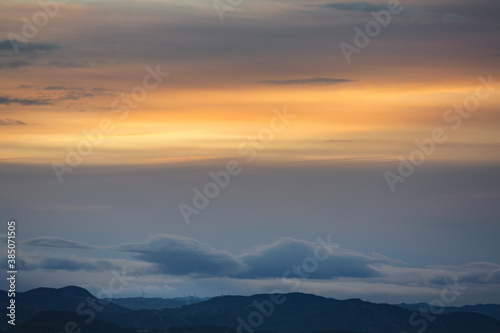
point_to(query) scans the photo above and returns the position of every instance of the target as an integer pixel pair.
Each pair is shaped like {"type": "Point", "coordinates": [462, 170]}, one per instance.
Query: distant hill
{"type": "Point", "coordinates": [490, 310]}
{"type": "Point", "coordinates": [304, 312]}
{"type": "Point", "coordinates": [156, 303]}
{"type": "Point", "coordinates": [299, 313]}
{"type": "Point", "coordinates": [68, 299]}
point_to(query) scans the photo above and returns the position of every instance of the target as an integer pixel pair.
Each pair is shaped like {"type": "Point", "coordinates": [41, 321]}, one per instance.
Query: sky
{"type": "Point", "coordinates": [209, 148]}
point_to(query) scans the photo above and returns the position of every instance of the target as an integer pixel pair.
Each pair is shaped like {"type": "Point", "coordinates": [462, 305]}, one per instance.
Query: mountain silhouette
{"type": "Point", "coordinates": [293, 312]}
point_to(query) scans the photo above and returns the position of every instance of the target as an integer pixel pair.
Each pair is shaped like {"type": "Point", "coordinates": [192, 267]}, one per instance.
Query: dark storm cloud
{"type": "Point", "coordinates": [308, 81]}
{"type": "Point", "coordinates": [57, 242]}
{"type": "Point", "coordinates": [178, 255]}
{"type": "Point", "coordinates": [11, 122]}
{"type": "Point", "coordinates": [5, 100]}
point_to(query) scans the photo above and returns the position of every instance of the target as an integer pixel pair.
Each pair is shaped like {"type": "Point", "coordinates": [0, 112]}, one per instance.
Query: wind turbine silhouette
{"type": "Point", "coordinates": [143, 294]}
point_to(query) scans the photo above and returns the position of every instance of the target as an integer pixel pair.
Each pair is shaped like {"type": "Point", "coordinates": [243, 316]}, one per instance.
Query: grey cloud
{"type": "Point", "coordinates": [316, 81]}
{"type": "Point", "coordinates": [181, 256]}
{"type": "Point", "coordinates": [178, 255]}
{"type": "Point", "coordinates": [276, 259]}
{"type": "Point", "coordinates": [23, 101]}
{"type": "Point", "coordinates": [57, 242]}
{"type": "Point", "coordinates": [11, 122]}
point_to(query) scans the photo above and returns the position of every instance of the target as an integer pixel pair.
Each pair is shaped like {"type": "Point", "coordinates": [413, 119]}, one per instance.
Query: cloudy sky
{"type": "Point", "coordinates": [212, 147]}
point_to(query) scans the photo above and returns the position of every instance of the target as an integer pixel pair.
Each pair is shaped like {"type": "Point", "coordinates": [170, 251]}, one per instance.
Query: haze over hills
{"type": "Point", "coordinates": [293, 312]}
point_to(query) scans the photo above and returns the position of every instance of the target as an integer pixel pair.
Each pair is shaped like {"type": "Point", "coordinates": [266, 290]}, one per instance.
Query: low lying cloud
{"type": "Point", "coordinates": [176, 255]}
{"type": "Point", "coordinates": [180, 257]}
{"type": "Point", "coordinates": [272, 261]}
